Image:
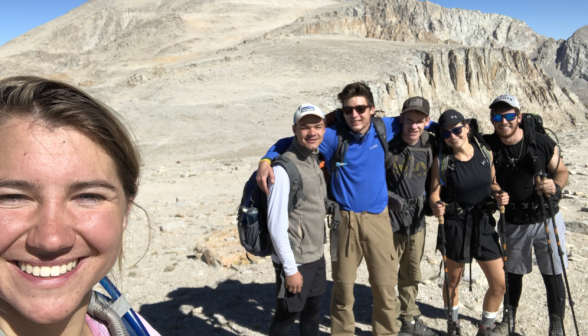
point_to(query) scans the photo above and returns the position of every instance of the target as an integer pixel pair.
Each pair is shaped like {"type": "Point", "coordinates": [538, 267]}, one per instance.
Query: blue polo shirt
{"type": "Point", "coordinates": [360, 185]}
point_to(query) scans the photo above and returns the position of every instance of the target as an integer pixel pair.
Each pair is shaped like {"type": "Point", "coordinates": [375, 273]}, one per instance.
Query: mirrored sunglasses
{"type": "Point", "coordinates": [508, 116]}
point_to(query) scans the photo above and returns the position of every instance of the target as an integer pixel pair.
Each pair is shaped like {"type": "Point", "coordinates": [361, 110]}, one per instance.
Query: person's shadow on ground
{"type": "Point", "coordinates": [232, 305]}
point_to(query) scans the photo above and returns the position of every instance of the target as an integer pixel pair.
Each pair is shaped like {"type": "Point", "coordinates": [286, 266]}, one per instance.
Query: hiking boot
{"type": "Point", "coordinates": [485, 331]}
{"type": "Point", "coordinates": [555, 325]}
{"type": "Point", "coordinates": [453, 328]}
{"type": "Point", "coordinates": [502, 327]}
{"type": "Point", "coordinates": [416, 328]}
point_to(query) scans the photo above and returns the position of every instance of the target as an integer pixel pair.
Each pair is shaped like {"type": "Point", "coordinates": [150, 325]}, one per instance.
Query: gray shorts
{"type": "Point", "coordinates": [520, 239]}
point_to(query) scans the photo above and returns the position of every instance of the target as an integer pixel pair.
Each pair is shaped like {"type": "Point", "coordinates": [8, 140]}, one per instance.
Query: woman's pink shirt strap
{"type": "Point", "coordinates": [99, 329]}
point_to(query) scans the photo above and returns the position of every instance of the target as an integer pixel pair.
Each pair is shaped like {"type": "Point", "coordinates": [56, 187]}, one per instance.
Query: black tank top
{"type": "Point", "coordinates": [471, 181]}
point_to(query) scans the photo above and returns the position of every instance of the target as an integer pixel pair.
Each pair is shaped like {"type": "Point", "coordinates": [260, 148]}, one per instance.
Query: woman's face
{"type": "Point", "coordinates": [62, 215]}
{"type": "Point", "coordinates": [456, 140]}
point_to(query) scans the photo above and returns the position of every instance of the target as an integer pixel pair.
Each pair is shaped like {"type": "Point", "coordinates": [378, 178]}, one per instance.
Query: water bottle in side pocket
{"type": "Point", "coordinates": [252, 215]}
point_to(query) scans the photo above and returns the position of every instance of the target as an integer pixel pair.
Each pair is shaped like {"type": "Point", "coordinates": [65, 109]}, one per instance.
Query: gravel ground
{"type": "Point", "coordinates": [179, 294]}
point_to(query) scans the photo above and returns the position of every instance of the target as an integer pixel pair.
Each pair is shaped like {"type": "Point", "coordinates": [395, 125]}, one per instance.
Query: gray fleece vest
{"type": "Point", "coordinates": [307, 228]}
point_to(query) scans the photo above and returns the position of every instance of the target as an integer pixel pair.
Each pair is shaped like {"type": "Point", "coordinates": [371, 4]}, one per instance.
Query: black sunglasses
{"type": "Point", "coordinates": [455, 130]}
{"type": "Point", "coordinates": [347, 110]}
{"type": "Point", "coordinates": [508, 116]}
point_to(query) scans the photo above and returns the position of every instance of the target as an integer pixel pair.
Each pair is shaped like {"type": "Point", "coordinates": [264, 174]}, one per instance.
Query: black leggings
{"type": "Point", "coordinates": [309, 318]}
{"type": "Point", "coordinates": [515, 284]}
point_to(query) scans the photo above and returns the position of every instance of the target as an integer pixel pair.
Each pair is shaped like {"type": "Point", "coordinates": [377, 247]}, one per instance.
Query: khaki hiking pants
{"type": "Point", "coordinates": [370, 236]}
{"type": "Point", "coordinates": [409, 272]}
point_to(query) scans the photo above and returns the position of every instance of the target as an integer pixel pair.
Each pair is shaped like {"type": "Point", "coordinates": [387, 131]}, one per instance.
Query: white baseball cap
{"type": "Point", "coordinates": [506, 98]}
{"type": "Point", "coordinates": [307, 109]}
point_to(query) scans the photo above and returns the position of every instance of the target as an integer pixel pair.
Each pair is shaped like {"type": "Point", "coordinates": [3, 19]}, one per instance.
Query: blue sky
{"type": "Point", "coordinates": [557, 19]}
{"type": "Point", "coordinates": [547, 17]}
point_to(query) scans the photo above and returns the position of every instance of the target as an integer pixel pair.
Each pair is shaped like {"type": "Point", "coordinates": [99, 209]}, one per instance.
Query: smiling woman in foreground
{"type": "Point", "coordinates": [68, 176]}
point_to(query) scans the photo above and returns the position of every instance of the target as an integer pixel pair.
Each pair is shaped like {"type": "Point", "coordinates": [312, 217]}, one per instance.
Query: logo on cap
{"type": "Point", "coordinates": [306, 108]}
{"type": "Point", "coordinates": [416, 102]}
{"type": "Point", "coordinates": [504, 97]}
{"type": "Point", "coordinates": [510, 100]}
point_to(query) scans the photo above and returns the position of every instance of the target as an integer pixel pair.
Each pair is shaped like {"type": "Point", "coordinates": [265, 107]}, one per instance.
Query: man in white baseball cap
{"type": "Point", "coordinates": [519, 155]}
{"type": "Point", "coordinates": [299, 263]}
{"type": "Point", "coordinates": [307, 109]}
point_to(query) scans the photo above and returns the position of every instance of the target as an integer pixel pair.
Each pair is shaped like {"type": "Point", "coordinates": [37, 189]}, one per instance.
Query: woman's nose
{"type": "Point", "coordinates": [52, 233]}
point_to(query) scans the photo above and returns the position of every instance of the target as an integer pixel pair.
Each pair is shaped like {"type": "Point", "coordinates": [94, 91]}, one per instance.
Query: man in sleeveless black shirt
{"type": "Point", "coordinates": [406, 178]}
{"type": "Point", "coordinates": [516, 173]}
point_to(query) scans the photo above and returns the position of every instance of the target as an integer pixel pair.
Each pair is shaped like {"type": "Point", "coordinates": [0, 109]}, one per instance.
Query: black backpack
{"type": "Point", "coordinates": [531, 125]}
{"type": "Point", "coordinates": [252, 217]}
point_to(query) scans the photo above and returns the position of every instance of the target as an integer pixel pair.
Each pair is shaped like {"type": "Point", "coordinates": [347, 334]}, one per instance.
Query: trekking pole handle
{"type": "Point", "coordinates": [441, 218]}
{"type": "Point", "coordinates": [501, 207]}
{"type": "Point", "coordinates": [537, 180]}
{"type": "Point", "coordinates": [543, 177]}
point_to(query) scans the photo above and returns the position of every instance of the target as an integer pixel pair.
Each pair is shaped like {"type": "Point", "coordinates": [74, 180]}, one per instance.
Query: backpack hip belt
{"type": "Point", "coordinates": [471, 214]}
{"type": "Point", "coordinates": [525, 213]}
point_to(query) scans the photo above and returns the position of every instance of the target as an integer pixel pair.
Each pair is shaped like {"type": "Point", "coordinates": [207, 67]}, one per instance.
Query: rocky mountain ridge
{"type": "Point", "coordinates": [180, 57]}
{"type": "Point", "coordinates": [420, 21]}
{"type": "Point", "coordinates": [423, 21]}
{"type": "Point", "coordinates": [567, 61]}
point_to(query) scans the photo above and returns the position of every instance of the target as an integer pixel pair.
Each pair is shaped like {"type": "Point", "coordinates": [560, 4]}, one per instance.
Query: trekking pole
{"type": "Point", "coordinates": [444, 253]}
{"type": "Point", "coordinates": [549, 248]}
{"type": "Point", "coordinates": [506, 307]}
{"type": "Point", "coordinates": [561, 252]}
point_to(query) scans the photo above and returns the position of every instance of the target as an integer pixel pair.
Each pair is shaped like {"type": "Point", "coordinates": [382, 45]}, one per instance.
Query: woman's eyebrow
{"type": "Point", "coordinates": [91, 184]}
{"type": "Point", "coordinates": [19, 184]}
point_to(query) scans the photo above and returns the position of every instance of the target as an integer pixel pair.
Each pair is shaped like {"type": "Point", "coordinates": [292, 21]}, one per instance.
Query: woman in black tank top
{"type": "Point", "coordinates": [461, 193]}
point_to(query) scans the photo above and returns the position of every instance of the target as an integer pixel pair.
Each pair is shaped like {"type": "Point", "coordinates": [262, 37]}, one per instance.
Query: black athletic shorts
{"type": "Point", "coordinates": [483, 240]}
{"type": "Point", "coordinates": [314, 276]}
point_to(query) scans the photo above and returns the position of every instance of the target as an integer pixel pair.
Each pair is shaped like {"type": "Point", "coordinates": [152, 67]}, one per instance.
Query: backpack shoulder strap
{"type": "Point", "coordinates": [296, 193]}
{"type": "Point", "coordinates": [427, 142]}
{"type": "Point", "coordinates": [340, 157]}
{"type": "Point", "coordinates": [380, 128]}
{"type": "Point", "coordinates": [425, 138]}
{"type": "Point", "coordinates": [446, 163]}
{"type": "Point", "coordinates": [426, 147]}
{"type": "Point", "coordinates": [395, 148]}
{"type": "Point", "coordinates": [483, 149]}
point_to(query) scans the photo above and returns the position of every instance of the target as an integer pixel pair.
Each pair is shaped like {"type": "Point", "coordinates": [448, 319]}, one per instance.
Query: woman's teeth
{"type": "Point", "coordinates": [47, 271]}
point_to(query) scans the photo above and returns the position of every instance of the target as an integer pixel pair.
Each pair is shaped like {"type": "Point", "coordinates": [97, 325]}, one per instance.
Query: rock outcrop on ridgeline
{"type": "Point", "coordinates": [420, 21]}
{"type": "Point", "coordinates": [567, 61]}
{"type": "Point", "coordinates": [573, 61]}
{"type": "Point", "coordinates": [426, 22]}
{"type": "Point", "coordinates": [469, 78]}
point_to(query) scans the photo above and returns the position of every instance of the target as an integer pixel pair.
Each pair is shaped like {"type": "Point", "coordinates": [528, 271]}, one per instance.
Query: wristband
{"type": "Point", "coordinates": [265, 159]}
{"type": "Point", "coordinates": [557, 195]}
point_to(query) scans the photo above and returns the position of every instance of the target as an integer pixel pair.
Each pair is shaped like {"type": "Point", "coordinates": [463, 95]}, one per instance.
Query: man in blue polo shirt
{"type": "Point", "coordinates": [358, 184]}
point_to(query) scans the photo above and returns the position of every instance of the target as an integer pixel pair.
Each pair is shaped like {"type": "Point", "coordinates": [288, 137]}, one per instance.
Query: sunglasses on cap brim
{"type": "Point", "coordinates": [455, 130]}
{"type": "Point", "coordinates": [507, 116]}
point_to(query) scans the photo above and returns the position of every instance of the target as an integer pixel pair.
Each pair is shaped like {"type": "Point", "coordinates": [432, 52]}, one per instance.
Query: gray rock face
{"type": "Point", "coordinates": [468, 79]}
{"type": "Point", "coordinates": [422, 21]}
{"type": "Point", "coordinates": [567, 61]}
{"type": "Point", "coordinates": [574, 55]}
